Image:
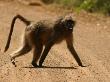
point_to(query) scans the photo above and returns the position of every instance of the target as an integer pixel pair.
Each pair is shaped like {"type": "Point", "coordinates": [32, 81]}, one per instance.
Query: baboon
{"type": "Point", "coordinates": [40, 34]}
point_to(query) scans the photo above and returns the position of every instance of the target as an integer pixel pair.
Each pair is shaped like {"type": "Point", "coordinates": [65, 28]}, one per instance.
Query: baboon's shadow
{"type": "Point", "coordinates": [49, 67]}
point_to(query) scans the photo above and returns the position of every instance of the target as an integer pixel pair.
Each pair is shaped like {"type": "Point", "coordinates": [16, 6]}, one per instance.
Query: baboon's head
{"type": "Point", "coordinates": [68, 23]}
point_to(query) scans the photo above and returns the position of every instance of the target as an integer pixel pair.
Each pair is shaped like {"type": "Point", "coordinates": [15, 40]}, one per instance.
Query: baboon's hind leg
{"type": "Point", "coordinates": [36, 54]}
{"type": "Point", "coordinates": [23, 50]}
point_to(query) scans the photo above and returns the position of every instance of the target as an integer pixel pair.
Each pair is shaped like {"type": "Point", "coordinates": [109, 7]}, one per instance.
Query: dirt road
{"type": "Point", "coordinates": [91, 40]}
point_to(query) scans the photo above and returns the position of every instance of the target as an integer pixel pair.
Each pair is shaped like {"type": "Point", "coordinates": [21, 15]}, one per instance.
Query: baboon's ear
{"type": "Point", "coordinates": [68, 17]}
{"type": "Point", "coordinates": [58, 23]}
{"type": "Point", "coordinates": [59, 20]}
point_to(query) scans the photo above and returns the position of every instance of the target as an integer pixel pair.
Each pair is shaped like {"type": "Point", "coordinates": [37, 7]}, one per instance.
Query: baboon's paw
{"type": "Point", "coordinates": [34, 64]}
{"type": "Point", "coordinates": [40, 64]}
{"type": "Point", "coordinates": [13, 62]}
{"type": "Point", "coordinates": [85, 65]}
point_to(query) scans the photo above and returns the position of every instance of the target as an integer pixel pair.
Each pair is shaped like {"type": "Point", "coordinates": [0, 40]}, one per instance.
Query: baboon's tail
{"type": "Point", "coordinates": [12, 26]}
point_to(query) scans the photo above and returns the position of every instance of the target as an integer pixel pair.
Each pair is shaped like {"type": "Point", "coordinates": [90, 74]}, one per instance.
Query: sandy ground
{"type": "Point", "coordinates": [91, 40]}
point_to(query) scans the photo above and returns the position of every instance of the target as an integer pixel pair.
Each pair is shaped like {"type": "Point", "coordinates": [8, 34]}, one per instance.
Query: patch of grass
{"type": "Point", "coordinates": [101, 6]}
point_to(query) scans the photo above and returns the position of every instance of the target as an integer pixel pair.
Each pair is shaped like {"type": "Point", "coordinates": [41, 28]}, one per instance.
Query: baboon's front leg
{"type": "Point", "coordinates": [75, 55]}
{"type": "Point", "coordinates": [69, 41]}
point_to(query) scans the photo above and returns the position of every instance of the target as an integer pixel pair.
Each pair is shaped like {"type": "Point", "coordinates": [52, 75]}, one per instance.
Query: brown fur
{"type": "Point", "coordinates": [41, 34]}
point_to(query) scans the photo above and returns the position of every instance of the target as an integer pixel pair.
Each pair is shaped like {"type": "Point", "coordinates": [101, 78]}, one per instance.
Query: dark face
{"type": "Point", "coordinates": [69, 24]}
